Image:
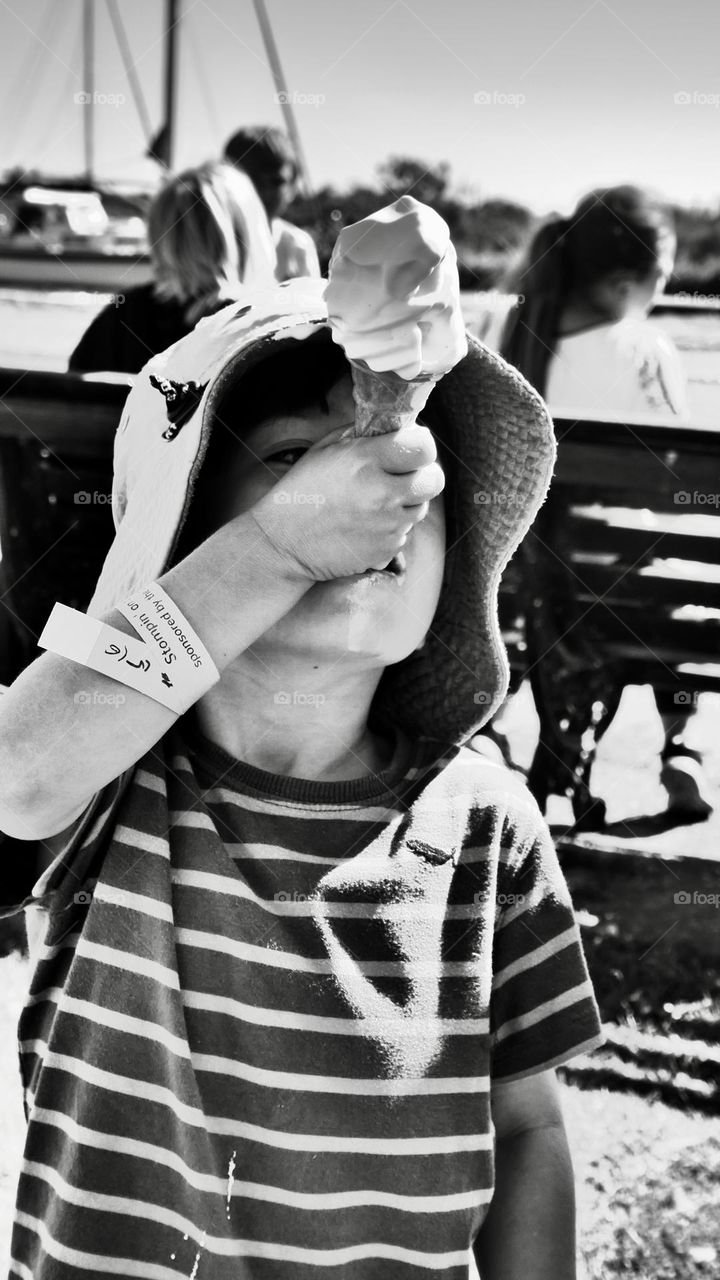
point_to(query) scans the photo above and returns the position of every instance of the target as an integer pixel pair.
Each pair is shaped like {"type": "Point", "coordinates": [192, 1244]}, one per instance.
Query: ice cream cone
{"type": "Point", "coordinates": [385, 401]}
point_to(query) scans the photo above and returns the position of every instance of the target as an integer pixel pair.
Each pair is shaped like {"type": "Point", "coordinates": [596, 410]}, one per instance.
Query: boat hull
{"type": "Point", "coordinates": [79, 270]}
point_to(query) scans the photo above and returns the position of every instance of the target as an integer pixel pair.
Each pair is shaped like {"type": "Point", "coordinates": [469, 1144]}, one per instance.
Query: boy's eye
{"type": "Point", "coordinates": [289, 455]}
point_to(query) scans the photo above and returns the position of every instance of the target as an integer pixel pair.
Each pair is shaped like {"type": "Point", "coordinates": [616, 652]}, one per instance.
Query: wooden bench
{"type": "Point", "coordinates": [590, 604]}
{"type": "Point", "coordinates": [56, 440]}
{"type": "Point", "coordinates": [618, 583]}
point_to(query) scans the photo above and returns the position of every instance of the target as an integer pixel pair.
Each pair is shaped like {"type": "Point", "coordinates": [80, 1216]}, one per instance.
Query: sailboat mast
{"type": "Point", "coordinates": [273, 58]}
{"type": "Point", "coordinates": [172, 11]}
{"type": "Point", "coordinates": [89, 88]}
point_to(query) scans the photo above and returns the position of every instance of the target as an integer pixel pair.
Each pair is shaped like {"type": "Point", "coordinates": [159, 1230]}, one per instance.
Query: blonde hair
{"type": "Point", "coordinates": [209, 236]}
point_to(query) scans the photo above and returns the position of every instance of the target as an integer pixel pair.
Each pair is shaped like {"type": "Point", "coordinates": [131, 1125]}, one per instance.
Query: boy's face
{"type": "Point", "coordinates": [382, 618]}
{"type": "Point", "coordinates": [276, 189]}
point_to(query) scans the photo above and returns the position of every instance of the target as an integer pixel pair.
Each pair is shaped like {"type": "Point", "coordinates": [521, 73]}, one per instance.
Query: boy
{"type": "Point", "coordinates": [307, 961]}
{"type": "Point", "coordinates": [266, 156]}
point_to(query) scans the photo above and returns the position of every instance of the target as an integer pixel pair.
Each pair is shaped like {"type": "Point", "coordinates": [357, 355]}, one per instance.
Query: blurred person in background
{"type": "Point", "coordinates": [581, 336]}
{"type": "Point", "coordinates": [209, 241]}
{"type": "Point", "coordinates": [266, 156]}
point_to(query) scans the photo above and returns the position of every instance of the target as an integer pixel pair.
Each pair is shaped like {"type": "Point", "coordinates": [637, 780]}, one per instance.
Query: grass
{"type": "Point", "coordinates": [648, 1182]}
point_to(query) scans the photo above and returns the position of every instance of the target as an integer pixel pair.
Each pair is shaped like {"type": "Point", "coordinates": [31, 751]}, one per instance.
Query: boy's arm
{"type": "Point", "coordinates": [529, 1230]}
{"type": "Point", "coordinates": [57, 750]}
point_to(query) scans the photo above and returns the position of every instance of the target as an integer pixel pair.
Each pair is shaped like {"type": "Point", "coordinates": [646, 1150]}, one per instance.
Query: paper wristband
{"type": "Point", "coordinates": [94, 644]}
{"type": "Point", "coordinates": [159, 622]}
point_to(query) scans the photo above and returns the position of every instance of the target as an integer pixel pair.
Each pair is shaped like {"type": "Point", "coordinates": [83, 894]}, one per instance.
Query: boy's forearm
{"type": "Point", "coordinates": [233, 587]}
{"type": "Point", "coordinates": [57, 750]}
{"type": "Point", "coordinates": [529, 1231]}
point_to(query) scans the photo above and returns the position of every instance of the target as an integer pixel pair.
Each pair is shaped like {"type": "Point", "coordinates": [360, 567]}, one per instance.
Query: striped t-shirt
{"type": "Point", "coordinates": [265, 1013]}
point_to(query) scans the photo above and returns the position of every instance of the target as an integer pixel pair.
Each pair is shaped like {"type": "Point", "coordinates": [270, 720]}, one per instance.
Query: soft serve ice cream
{"type": "Point", "coordinates": [393, 301]}
{"type": "Point", "coordinates": [393, 294]}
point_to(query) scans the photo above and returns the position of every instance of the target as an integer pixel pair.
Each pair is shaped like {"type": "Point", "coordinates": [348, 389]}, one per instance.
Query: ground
{"type": "Point", "coordinates": [648, 1180]}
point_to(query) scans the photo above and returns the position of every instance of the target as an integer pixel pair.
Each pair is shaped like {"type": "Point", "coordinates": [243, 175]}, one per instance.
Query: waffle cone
{"type": "Point", "coordinates": [385, 401]}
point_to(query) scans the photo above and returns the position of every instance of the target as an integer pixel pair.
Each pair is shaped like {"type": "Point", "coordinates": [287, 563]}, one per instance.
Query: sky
{"type": "Point", "coordinates": [534, 100]}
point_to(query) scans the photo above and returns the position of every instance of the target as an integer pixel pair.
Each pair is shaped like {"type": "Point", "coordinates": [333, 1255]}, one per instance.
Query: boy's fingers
{"type": "Point", "coordinates": [398, 452]}
{"type": "Point", "coordinates": [424, 485]}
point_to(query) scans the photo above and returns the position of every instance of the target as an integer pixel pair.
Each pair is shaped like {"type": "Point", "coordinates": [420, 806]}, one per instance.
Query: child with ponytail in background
{"type": "Point", "coordinates": [580, 335]}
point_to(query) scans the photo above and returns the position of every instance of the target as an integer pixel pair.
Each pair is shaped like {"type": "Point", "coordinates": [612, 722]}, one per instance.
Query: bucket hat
{"type": "Point", "coordinates": [497, 444]}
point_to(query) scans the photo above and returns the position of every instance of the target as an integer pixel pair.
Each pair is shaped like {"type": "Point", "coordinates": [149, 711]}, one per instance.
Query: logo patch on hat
{"type": "Point", "coordinates": [181, 401]}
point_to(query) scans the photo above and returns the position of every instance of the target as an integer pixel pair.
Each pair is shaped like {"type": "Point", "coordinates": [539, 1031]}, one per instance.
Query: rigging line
{"type": "Point", "coordinates": [130, 71]}
{"type": "Point", "coordinates": [282, 96]}
{"type": "Point", "coordinates": [27, 71]}
{"type": "Point", "coordinates": [210, 104]}
{"type": "Point", "coordinates": [88, 114]}
{"type": "Point", "coordinates": [66, 88]}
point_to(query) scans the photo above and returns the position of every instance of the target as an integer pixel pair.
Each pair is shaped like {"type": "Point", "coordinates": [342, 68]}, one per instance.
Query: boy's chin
{"type": "Point", "coordinates": [369, 641]}
{"type": "Point", "coordinates": [365, 620]}
{"type": "Point", "coordinates": [343, 619]}
{"type": "Point", "coordinates": [384, 650]}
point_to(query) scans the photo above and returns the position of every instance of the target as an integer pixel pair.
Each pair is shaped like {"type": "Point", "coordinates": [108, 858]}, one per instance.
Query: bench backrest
{"type": "Point", "coordinates": [628, 546]}
{"type": "Point", "coordinates": [56, 441]}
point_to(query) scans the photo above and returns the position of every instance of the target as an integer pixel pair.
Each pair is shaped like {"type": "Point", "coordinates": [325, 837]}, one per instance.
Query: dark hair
{"type": "Point", "coordinates": [288, 381]}
{"type": "Point", "coordinates": [260, 149]}
{"type": "Point", "coordinates": [612, 229]}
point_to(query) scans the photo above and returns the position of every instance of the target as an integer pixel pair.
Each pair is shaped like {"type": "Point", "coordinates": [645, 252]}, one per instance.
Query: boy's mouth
{"type": "Point", "coordinates": [394, 568]}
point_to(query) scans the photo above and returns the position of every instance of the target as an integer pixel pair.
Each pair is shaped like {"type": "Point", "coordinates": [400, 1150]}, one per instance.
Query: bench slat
{"type": "Point", "coordinates": [630, 545]}
{"type": "Point", "coordinates": [636, 669]}
{"type": "Point", "coordinates": [686, 636]}
{"type": "Point", "coordinates": [649, 590]}
{"type": "Point", "coordinates": [636, 497]}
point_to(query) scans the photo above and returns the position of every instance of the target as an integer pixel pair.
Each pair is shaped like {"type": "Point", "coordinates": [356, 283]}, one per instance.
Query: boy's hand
{"type": "Point", "coordinates": [349, 503]}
